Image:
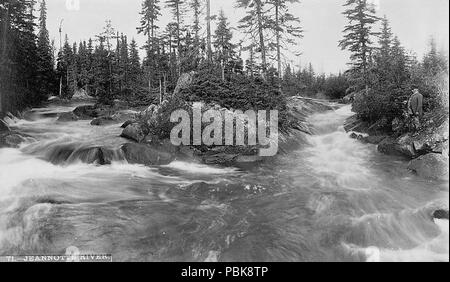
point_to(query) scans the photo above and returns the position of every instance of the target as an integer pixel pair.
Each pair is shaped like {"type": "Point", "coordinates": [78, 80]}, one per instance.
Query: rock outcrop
{"type": "Point", "coordinates": [397, 147]}
{"type": "Point", "coordinates": [431, 166]}
{"type": "Point", "coordinates": [86, 112]}
{"type": "Point", "coordinates": [12, 139]}
{"type": "Point", "coordinates": [67, 117]}
{"type": "Point", "coordinates": [441, 214]}
{"type": "Point", "coordinates": [136, 132]}
{"type": "Point", "coordinates": [4, 126]}
{"type": "Point", "coordinates": [103, 121]}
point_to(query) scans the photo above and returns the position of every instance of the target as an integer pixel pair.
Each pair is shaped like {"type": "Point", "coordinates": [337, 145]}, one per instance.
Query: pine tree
{"type": "Point", "coordinates": [222, 42]}
{"type": "Point", "coordinates": [45, 64]}
{"type": "Point", "coordinates": [177, 9]}
{"type": "Point", "coordinates": [358, 35]}
{"type": "Point", "coordinates": [254, 24]}
{"type": "Point", "coordinates": [286, 27]}
{"type": "Point", "coordinates": [196, 7]}
{"type": "Point", "coordinates": [149, 15]}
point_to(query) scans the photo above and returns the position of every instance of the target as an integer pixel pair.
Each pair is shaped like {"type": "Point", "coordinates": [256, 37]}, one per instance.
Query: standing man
{"type": "Point", "coordinates": [415, 108]}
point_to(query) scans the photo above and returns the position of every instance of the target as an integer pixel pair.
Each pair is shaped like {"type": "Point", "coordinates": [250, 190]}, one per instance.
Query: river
{"type": "Point", "coordinates": [334, 199]}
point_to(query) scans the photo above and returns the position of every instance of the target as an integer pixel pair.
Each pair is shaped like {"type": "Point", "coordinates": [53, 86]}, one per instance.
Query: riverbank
{"type": "Point", "coordinates": [427, 149]}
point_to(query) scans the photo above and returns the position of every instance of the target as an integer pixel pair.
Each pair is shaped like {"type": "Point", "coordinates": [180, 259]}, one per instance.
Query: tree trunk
{"type": "Point", "coordinates": [208, 19]}
{"type": "Point", "coordinates": [3, 58]}
{"type": "Point", "coordinates": [178, 40]}
{"type": "Point", "coordinates": [277, 19]}
{"type": "Point", "coordinates": [261, 38]}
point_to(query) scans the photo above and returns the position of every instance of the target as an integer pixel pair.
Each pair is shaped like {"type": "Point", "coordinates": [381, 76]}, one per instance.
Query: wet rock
{"type": "Point", "coordinates": [94, 155]}
{"type": "Point", "coordinates": [67, 117]}
{"type": "Point", "coordinates": [136, 132]}
{"type": "Point", "coordinates": [127, 123]}
{"type": "Point", "coordinates": [4, 126]}
{"type": "Point", "coordinates": [375, 139]}
{"type": "Point", "coordinates": [102, 121]}
{"type": "Point", "coordinates": [349, 98]}
{"type": "Point", "coordinates": [441, 214]}
{"type": "Point", "coordinates": [86, 112]}
{"type": "Point", "coordinates": [145, 155]}
{"type": "Point", "coordinates": [395, 147]}
{"type": "Point", "coordinates": [11, 139]}
{"type": "Point", "coordinates": [124, 116]}
{"type": "Point", "coordinates": [356, 125]}
{"type": "Point", "coordinates": [431, 166]}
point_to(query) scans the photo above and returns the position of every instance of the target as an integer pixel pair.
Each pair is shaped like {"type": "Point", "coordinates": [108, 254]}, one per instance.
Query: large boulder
{"type": "Point", "coordinates": [431, 166]}
{"type": "Point", "coordinates": [356, 125]}
{"type": "Point", "coordinates": [441, 214]}
{"type": "Point", "coordinates": [3, 126]}
{"type": "Point", "coordinates": [86, 112]}
{"type": "Point", "coordinates": [67, 117]}
{"type": "Point", "coordinates": [102, 121]}
{"type": "Point", "coordinates": [145, 155]}
{"type": "Point", "coordinates": [11, 139]}
{"type": "Point", "coordinates": [136, 132]}
{"type": "Point", "coordinates": [397, 147]}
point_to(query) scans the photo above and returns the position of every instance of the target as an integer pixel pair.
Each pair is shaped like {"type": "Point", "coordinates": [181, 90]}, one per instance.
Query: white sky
{"type": "Point", "coordinates": [414, 21]}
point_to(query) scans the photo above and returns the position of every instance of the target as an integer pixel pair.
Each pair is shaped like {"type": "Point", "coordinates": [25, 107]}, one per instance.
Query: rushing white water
{"type": "Point", "coordinates": [335, 199]}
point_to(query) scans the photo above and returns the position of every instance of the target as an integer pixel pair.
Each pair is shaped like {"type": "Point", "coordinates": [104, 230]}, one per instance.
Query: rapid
{"type": "Point", "coordinates": [334, 199]}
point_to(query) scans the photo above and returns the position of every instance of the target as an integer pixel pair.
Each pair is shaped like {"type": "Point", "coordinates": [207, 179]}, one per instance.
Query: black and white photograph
{"type": "Point", "coordinates": [224, 132]}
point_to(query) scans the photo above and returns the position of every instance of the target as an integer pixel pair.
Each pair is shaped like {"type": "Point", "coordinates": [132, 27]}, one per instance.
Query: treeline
{"type": "Point", "coordinates": [26, 57]}
{"type": "Point", "coordinates": [108, 66]}
{"type": "Point", "coordinates": [383, 74]}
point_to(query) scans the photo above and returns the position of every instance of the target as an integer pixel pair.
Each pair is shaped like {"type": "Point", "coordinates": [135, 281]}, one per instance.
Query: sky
{"type": "Point", "coordinates": [413, 21]}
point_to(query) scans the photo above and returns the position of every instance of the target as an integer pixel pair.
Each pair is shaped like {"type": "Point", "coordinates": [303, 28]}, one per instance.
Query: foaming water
{"type": "Point", "coordinates": [333, 200]}
{"type": "Point", "coordinates": [195, 168]}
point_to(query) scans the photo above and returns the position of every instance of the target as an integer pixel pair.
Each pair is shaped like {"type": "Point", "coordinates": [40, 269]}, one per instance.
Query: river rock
{"type": "Point", "coordinates": [441, 214]}
{"type": "Point", "coordinates": [377, 139]}
{"type": "Point", "coordinates": [10, 139]}
{"type": "Point", "coordinates": [127, 123]}
{"type": "Point", "coordinates": [397, 147]}
{"type": "Point", "coordinates": [67, 117]}
{"type": "Point", "coordinates": [431, 166]}
{"type": "Point", "coordinates": [4, 126]}
{"type": "Point", "coordinates": [356, 125]}
{"type": "Point", "coordinates": [136, 132]}
{"type": "Point", "coordinates": [145, 155]}
{"type": "Point", "coordinates": [94, 155]}
{"type": "Point", "coordinates": [102, 121]}
{"type": "Point", "coordinates": [349, 98]}
{"type": "Point", "coordinates": [86, 112]}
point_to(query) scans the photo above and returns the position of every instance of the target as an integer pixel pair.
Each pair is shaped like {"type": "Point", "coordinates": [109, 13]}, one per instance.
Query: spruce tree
{"type": "Point", "coordinates": [222, 42]}
{"type": "Point", "coordinates": [285, 26]}
{"type": "Point", "coordinates": [45, 65]}
{"type": "Point", "coordinates": [358, 36]}
{"type": "Point", "coordinates": [254, 25]}
{"type": "Point", "coordinates": [177, 8]}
